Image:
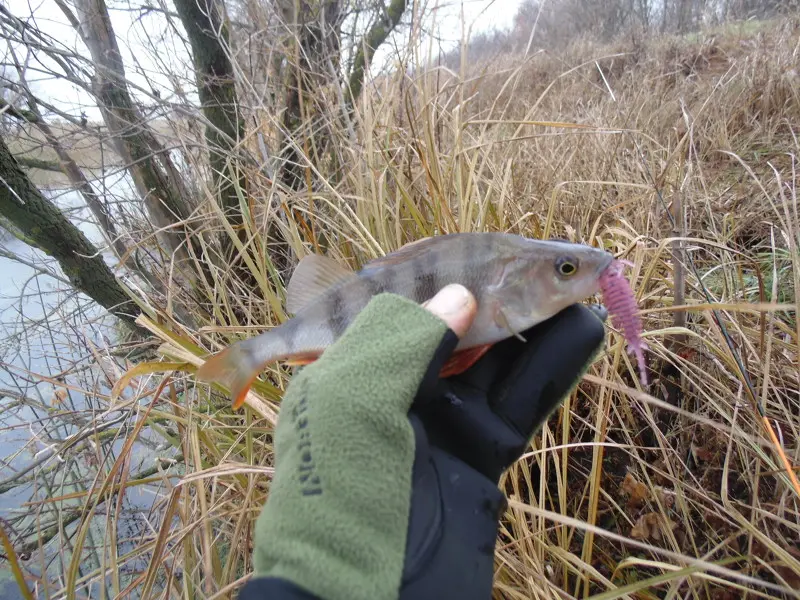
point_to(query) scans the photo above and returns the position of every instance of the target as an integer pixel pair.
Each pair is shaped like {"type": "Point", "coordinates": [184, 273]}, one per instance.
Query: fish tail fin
{"type": "Point", "coordinates": [236, 367]}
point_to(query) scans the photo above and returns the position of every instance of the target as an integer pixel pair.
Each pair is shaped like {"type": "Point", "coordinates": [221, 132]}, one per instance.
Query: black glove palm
{"type": "Point", "coordinates": [469, 429]}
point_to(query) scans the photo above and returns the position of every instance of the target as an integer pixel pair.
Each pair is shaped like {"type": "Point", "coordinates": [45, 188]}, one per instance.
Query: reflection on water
{"type": "Point", "coordinates": [39, 317]}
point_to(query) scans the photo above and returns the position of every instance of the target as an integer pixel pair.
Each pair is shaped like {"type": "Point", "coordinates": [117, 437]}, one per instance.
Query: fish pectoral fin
{"type": "Point", "coordinates": [313, 275]}
{"type": "Point", "coordinates": [463, 359]}
{"type": "Point", "coordinates": [501, 319]}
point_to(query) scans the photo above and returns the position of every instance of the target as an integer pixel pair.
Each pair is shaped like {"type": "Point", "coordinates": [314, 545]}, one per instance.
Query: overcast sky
{"type": "Point", "coordinates": [137, 33]}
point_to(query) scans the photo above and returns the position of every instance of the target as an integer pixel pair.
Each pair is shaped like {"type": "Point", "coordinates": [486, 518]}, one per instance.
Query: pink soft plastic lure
{"type": "Point", "coordinates": [618, 298]}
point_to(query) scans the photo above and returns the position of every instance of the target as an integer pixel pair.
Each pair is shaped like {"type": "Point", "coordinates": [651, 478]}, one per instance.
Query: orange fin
{"type": "Point", "coordinates": [458, 363]}
{"type": "Point", "coordinates": [235, 368]}
{"type": "Point", "coordinates": [298, 360]}
{"type": "Point", "coordinates": [302, 359]}
{"type": "Point", "coordinates": [463, 359]}
{"type": "Point", "coordinates": [240, 398]}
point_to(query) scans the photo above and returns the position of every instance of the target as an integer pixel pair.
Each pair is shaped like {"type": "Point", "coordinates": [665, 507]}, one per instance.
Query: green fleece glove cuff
{"type": "Point", "coordinates": [336, 519]}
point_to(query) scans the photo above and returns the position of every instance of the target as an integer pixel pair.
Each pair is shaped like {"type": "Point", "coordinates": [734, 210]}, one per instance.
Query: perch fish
{"type": "Point", "coordinates": [517, 282]}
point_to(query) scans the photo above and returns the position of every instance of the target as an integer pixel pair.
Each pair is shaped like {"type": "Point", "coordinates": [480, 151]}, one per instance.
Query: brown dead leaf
{"type": "Point", "coordinates": [59, 395]}
{"type": "Point", "coordinates": [666, 497]}
{"type": "Point", "coordinates": [715, 521]}
{"type": "Point", "coordinates": [635, 489]}
{"type": "Point", "coordinates": [723, 594]}
{"type": "Point", "coordinates": [789, 575]}
{"type": "Point", "coordinates": [702, 453]}
{"type": "Point", "coordinates": [651, 526]}
{"type": "Point", "coordinates": [645, 526]}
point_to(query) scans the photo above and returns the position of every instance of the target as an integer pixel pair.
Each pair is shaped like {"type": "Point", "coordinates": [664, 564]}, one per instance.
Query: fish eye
{"type": "Point", "coordinates": [566, 266]}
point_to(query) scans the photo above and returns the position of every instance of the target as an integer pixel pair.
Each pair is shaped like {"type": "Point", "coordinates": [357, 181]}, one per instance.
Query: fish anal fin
{"type": "Point", "coordinates": [463, 359]}
{"type": "Point", "coordinates": [299, 360]}
{"type": "Point", "coordinates": [313, 275]}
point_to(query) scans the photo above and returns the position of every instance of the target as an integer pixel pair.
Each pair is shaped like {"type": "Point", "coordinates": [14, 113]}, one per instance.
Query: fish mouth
{"type": "Point", "coordinates": [606, 262]}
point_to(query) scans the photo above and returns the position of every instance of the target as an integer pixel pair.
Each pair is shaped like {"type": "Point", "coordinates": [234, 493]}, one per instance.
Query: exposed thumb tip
{"type": "Point", "coordinates": [456, 306]}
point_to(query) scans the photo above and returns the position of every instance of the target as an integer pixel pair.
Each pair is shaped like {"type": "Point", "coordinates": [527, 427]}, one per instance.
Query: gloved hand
{"type": "Point", "coordinates": [386, 476]}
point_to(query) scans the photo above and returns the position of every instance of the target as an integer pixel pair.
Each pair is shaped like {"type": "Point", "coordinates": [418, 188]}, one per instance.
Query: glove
{"type": "Point", "coordinates": [386, 475]}
{"type": "Point", "coordinates": [469, 429]}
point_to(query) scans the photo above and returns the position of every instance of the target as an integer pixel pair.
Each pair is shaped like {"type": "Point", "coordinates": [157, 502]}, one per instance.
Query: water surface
{"type": "Point", "coordinates": [44, 329]}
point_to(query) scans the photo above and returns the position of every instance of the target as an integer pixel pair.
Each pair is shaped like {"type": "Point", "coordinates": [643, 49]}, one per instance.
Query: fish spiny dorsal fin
{"type": "Point", "coordinates": [406, 253]}
{"type": "Point", "coordinates": [313, 275]}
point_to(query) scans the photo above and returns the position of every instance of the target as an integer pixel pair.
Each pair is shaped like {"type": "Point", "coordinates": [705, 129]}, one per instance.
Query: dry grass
{"type": "Point", "coordinates": [674, 492]}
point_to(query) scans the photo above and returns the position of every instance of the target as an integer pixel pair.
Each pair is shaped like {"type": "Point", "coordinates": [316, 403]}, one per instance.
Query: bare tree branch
{"type": "Point", "coordinates": [33, 266]}
{"type": "Point", "coordinates": [41, 221]}
{"type": "Point", "coordinates": [18, 113]}
{"type": "Point", "coordinates": [157, 180]}
{"type": "Point", "coordinates": [35, 163]}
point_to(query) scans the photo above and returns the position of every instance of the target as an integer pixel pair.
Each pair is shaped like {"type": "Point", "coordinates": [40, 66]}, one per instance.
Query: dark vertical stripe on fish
{"type": "Point", "coordinates": [425, 279]}
{"type": "Point", "coordinates": [287, 333]}
{"type": "Point", "coordinates": [388, 278]}
{"type": "Point", "coordinates": [486, 247]}
{"type": "Point", "coordinates": [374, 285]}
{"type": "Point", "coordinates": [337, 315]}
{"type": "Point", "coordinates": [466, 266]}
{"type": "Point", "coordinates": [356, 295]}
{"type": "Point", "coordinates": [481, 270]}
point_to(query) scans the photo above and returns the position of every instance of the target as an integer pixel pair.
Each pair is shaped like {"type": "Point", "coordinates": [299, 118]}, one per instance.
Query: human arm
{"type": "Point", "coordinates": [386, 475]}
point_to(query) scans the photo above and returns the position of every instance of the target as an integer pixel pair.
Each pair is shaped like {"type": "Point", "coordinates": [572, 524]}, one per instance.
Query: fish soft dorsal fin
{"type": "Point", "coordinates": [313, 275]}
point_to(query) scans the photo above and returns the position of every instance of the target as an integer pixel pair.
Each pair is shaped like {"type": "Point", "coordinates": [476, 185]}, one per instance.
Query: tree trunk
{"type": "Point", "coordinates": [314, 55]}
{"type": "Point", "coordinates": [45, 225]}
{"type": "Point", "coordinates": [207, 30]}
{"type": "Point", "coordinates": [376, 35]}
{"type": "Point", "coordinates": [155, 177]}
